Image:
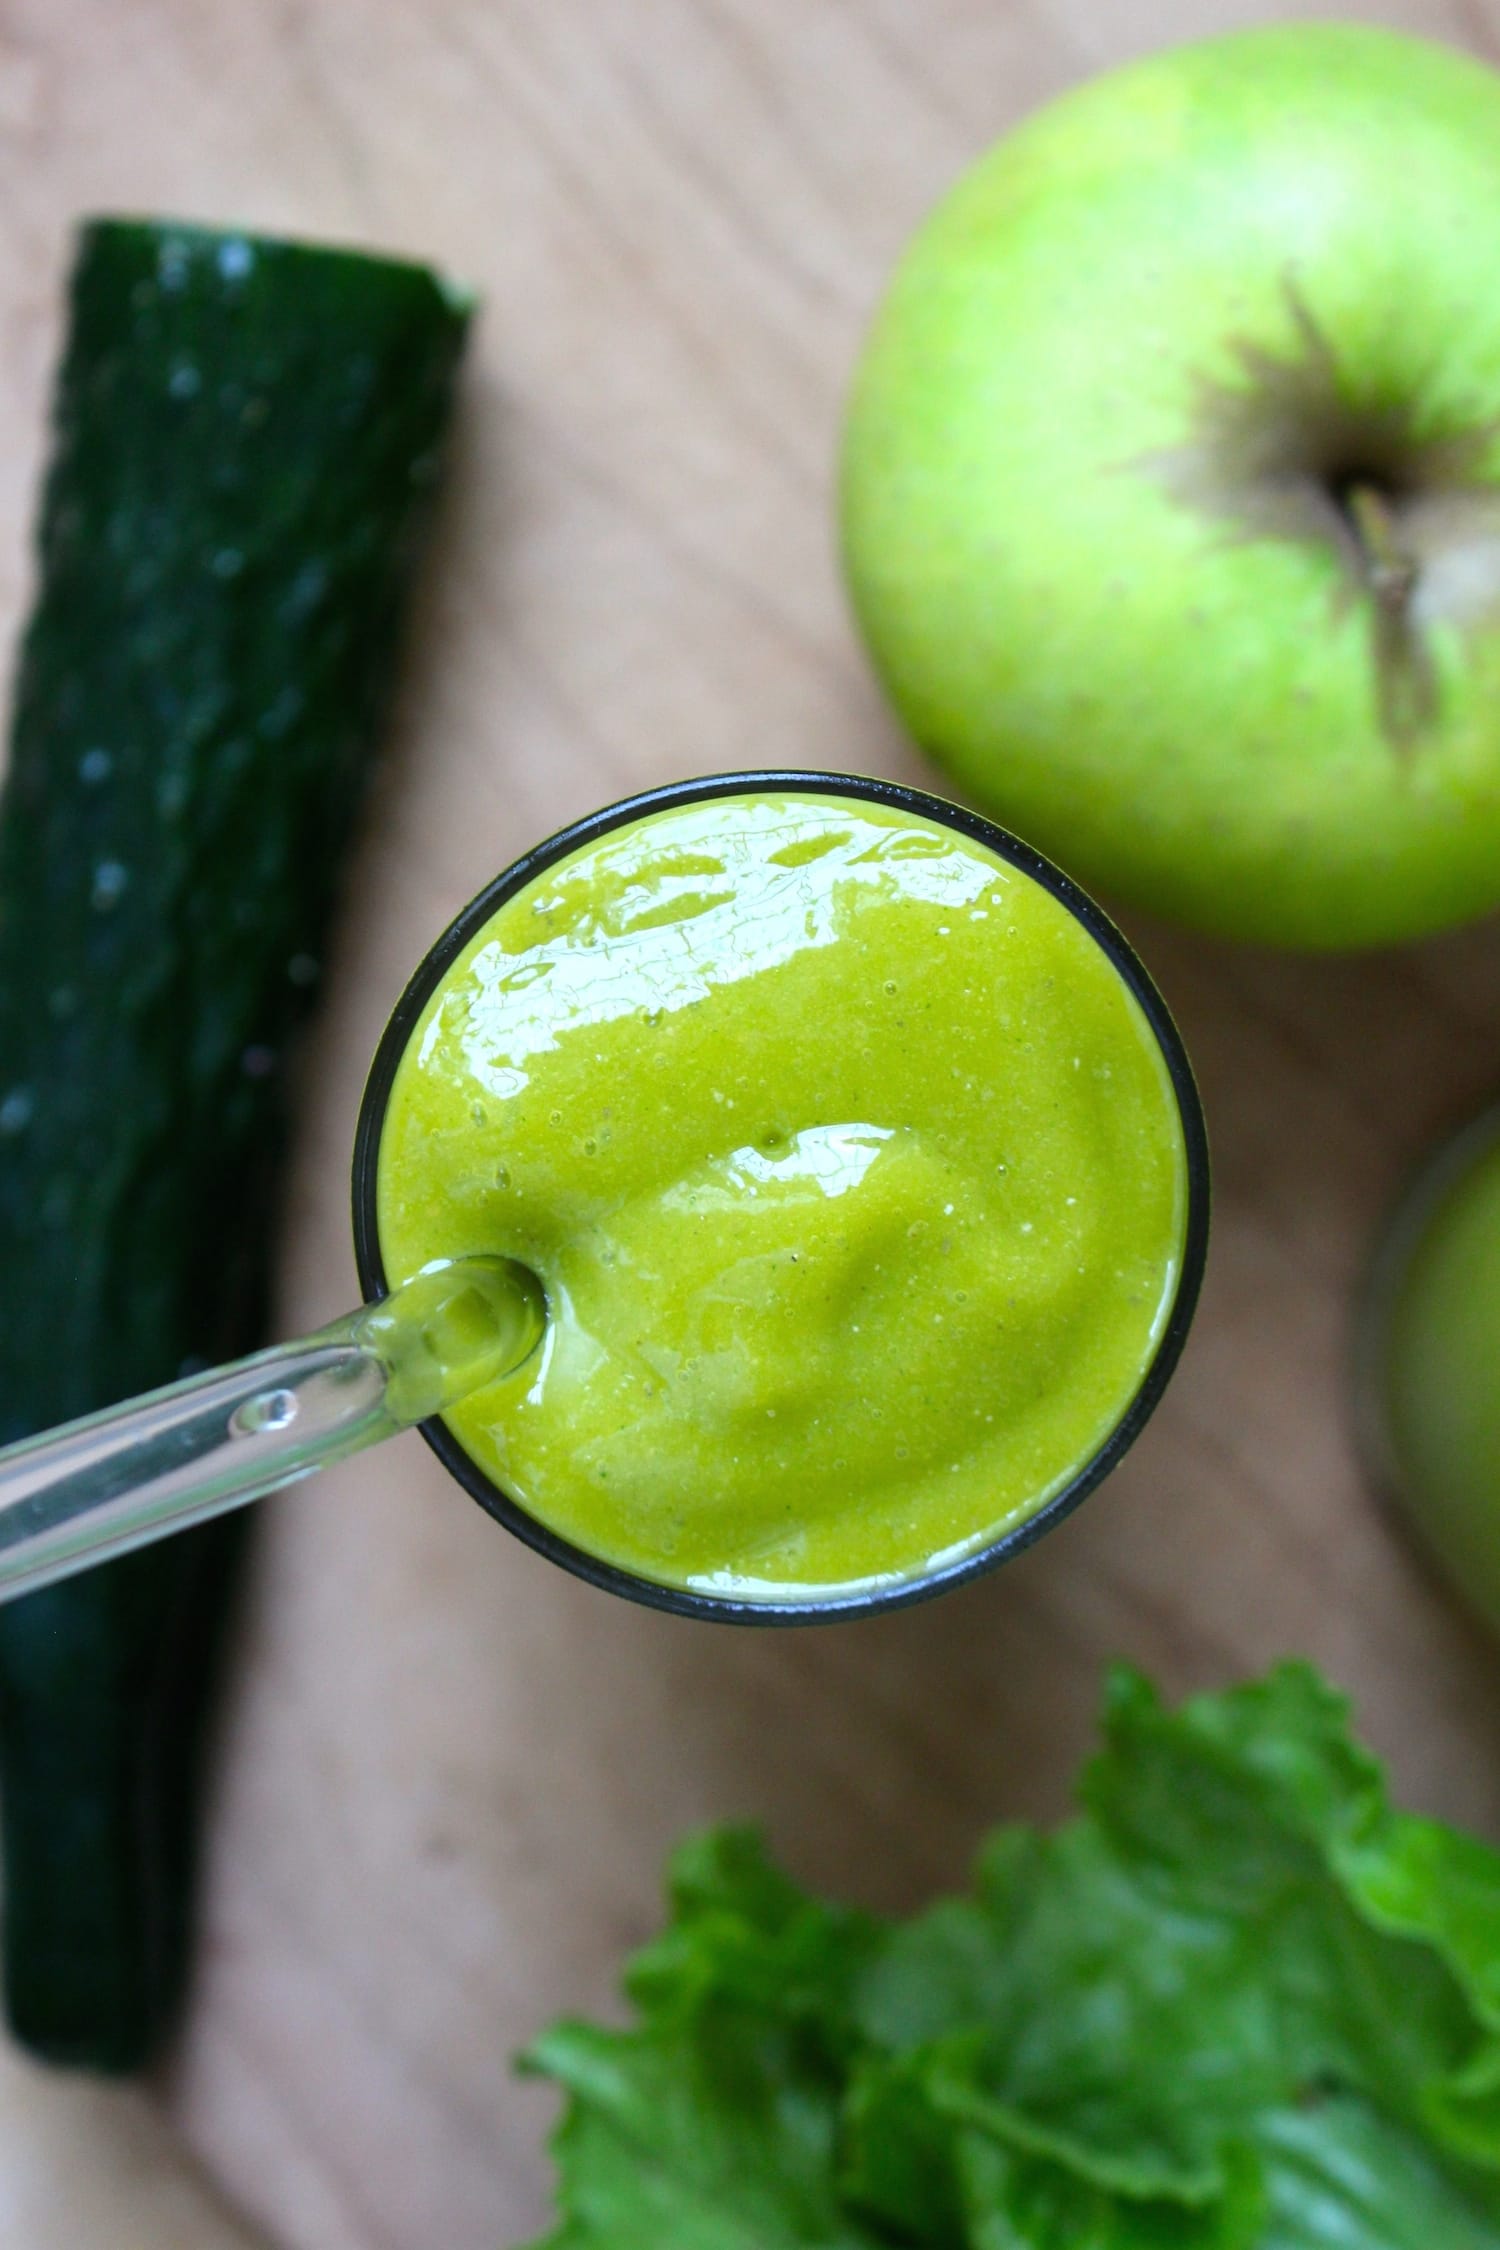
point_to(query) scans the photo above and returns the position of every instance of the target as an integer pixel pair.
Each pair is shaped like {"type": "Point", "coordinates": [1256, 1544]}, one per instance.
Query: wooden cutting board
{"type": "Point", "coordinates": [450, 1773]}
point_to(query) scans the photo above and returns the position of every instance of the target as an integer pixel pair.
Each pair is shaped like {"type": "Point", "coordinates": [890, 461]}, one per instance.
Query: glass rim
{"type": "Point", "coordinates": [861, 1601]}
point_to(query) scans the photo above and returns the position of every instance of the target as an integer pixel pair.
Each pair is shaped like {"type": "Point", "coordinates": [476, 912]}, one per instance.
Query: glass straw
{"type": "Point", "coordinates": [97, 1487]}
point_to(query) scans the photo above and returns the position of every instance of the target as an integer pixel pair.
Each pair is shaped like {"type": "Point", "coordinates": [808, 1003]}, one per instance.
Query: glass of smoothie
{"type": "Point", "coordinates": [1428, 1352]}
{"type": "Point", "coordinates": [860, 1164]}
{"type": "Point", "coordinates": [776, 1197]}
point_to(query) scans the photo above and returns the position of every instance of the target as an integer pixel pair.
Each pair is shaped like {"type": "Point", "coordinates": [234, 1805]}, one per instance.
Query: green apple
{"type": "Point", "coordinates": [1171, 485]}
{"type": "Point", "coordinates": [1429, 1406]}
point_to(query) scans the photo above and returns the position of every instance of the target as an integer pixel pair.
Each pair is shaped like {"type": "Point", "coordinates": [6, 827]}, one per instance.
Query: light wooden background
{"type": "Point", "coordinates": [450, 1773]}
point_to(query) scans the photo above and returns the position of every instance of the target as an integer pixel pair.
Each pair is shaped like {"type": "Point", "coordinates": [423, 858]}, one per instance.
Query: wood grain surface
{"type": "Point", "coordinates": [450, 1773]}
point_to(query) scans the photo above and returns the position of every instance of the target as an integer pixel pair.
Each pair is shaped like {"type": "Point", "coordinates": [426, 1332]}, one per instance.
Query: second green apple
{"type": "Point", "coordinates": [1171, 485]}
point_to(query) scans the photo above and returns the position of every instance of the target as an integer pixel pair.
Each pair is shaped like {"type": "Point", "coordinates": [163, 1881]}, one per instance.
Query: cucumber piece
{"type": "Point", "coordinates": [247, 434]}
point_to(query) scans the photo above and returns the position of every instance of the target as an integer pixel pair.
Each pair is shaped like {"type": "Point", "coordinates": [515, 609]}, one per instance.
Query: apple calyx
{"type": "Point", "coordinates": [1292, 447]}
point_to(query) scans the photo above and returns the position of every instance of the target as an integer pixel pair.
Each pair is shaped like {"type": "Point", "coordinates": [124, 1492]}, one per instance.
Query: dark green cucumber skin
{"type": "Point", "coordinates": [247, 434]}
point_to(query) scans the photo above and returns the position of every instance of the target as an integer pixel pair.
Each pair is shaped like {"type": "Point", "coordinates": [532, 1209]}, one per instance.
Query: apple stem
{"type": "Point", "coordinates": [1390, 571]}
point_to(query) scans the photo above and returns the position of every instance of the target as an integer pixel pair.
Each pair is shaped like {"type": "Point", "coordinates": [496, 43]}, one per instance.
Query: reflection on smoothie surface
{"type": "Point", "coordinates": [851, 1166]}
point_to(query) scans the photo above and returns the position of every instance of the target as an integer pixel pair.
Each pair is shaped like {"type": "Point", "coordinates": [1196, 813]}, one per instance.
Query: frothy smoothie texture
{"type": "Point", "coordinates": [852, 1169]}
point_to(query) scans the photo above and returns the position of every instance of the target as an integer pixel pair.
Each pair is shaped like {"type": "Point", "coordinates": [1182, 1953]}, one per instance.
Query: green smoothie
{"type": "Point", "coordinates": [851, 1167]}
{"type": "Point", "coordinates": [1433, 1370]}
